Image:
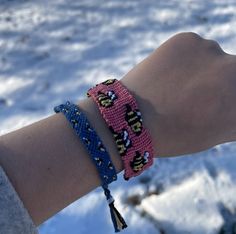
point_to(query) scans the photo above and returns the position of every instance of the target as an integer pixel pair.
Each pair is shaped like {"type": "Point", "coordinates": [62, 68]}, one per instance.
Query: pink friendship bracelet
{"type": "Point", "coordinates": [120, 111]}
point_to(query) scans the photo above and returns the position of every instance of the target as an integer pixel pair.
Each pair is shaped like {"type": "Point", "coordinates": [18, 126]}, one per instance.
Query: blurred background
{"type": "Point", "coordinates": [53, 51]}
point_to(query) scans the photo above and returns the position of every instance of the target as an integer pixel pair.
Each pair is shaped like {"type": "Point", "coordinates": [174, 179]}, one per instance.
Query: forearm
{"type": "Point", "coordinates": [48, 165]}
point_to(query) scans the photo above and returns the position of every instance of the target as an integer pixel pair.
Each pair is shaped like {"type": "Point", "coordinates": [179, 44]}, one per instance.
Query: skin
{"type": "Point", "coordinates": [185, 91]}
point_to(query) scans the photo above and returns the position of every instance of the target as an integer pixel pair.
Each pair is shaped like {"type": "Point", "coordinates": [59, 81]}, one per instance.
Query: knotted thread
{"type": "Point", "coordinates": [117, 219]}
{"type": "Point", "coordinates": [120, 111]}
{"type": "Point", "coordinates": [97, 152]}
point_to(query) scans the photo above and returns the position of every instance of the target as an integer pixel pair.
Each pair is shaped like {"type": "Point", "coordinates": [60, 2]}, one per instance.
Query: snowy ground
{"type": "Point", "coordinates": [52, 51]}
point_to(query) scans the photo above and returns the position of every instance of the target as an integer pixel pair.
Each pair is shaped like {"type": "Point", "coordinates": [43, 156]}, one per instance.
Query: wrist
{"type": "Point", "coordinates": [147, 110]}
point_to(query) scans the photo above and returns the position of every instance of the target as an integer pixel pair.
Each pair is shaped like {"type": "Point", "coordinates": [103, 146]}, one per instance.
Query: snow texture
{"type": "Point", "coordinates": [53, 51]}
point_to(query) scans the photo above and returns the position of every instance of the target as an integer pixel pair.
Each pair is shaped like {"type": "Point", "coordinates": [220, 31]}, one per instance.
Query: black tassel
{"type": "Point", "coordinates": [118, 221]}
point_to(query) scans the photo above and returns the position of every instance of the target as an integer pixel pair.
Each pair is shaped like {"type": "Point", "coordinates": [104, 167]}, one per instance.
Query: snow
{"type": "Point", "coordinates": [52, 51]}
{"type": "Point", "coordinates": [204, 216]}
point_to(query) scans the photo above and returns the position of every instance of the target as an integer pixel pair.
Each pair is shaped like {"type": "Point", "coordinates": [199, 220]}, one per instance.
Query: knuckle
{"type": "Point", "coordinates": [212, 44]}
{"type": "Point", "coordinates": [213, 47]}
{"type": "Point", "coordinates": [194, 39]}
{"type": "Point", "coordinates": [189, 36]}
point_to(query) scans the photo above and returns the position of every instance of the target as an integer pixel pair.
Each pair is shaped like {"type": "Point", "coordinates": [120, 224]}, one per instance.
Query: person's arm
{"type": "Point", "coordinates": [185, 93]}
{"type": "Point", "coordinates": [49, 166]}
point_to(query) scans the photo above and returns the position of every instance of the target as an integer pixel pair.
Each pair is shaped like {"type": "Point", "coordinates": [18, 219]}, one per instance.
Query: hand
{"type": "Point", "coordinates": [186, 91]}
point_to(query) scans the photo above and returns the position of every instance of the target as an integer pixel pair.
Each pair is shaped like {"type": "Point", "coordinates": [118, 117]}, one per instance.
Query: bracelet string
{"type": "Point", "coordinates": [120, 111]}
{"type": "Point", "coordinates": [98, 154]}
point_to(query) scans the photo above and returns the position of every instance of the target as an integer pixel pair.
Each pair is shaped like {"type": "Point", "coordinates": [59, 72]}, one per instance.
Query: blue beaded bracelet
{"type": "Point", "coordinates": [98, 154]}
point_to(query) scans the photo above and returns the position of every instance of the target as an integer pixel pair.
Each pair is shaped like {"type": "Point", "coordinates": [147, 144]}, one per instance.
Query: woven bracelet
{"type": "Point", "coordinates": [97, 152]}
{"type": "Point", "coordinates": [120, 111]}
